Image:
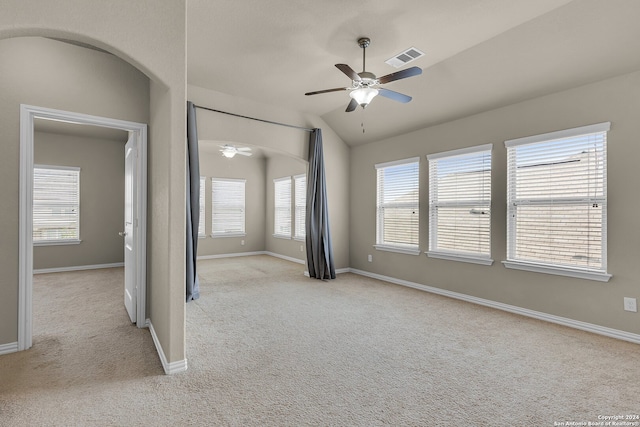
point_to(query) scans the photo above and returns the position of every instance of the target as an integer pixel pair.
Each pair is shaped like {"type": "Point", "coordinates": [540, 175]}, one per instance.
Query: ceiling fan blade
{"type": "Point", "coordinates": [349, 72]}
{"type": "Point", "coordinates": [352, 105]}
{"type": "Point", "coordinates": [409, 72]}
{"type": "Point", "coordinates": [396, 96]}
{"type": "Point", "coordinates": [327, 90]}
{"type": "Point", "coordinates": [243, 153]}
{"type": "Point", "coordinates": [243, 149]}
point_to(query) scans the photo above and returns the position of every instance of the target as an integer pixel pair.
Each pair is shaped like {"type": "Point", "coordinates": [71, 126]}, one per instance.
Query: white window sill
{"type": "Point", "coordinates": [299, 239]}
{"type": "Point", "coordinates": [202, 236]}
{"type": "Point", "coordinates": [215, 236]}
{"type": "Point", "coordinates": [56, 242]}
{"type": "Point", "coordinates": [282, 236]}
{"type": "Point", "coordinates": [561, 271]}
{"type": "Point", "coordinates": [460, 257]}
{"type": "Point", "coordinates": [398, 249]}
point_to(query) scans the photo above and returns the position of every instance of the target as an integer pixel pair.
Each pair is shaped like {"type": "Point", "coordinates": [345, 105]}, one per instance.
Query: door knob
{"type": "Point", "coordinates": [122, 233]}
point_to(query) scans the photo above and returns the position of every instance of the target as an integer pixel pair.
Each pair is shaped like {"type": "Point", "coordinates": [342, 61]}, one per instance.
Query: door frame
{"type": "Point", "coordinates": [28, 114]}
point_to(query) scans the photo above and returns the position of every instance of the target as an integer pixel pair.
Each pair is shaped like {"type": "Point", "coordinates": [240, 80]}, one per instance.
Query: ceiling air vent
{"type": "Point", "coordinates": [405, 57]}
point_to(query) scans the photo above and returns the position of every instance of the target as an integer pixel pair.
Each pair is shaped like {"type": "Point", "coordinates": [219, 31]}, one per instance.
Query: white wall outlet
{"type": "Point", "coordinates": [370, 258]}
{"type": "Point", "coordinates": [242, 242]}
{"type": "Point", "coordinates": [301, 248]}
{"type": "Point", "coordinates": [630, 304]}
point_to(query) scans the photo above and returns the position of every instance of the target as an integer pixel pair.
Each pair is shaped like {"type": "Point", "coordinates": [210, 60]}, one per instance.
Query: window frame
{"type": "Point", "coordinates": [434, 204]}
{"type": "Point", "coordinates": [57, 242]}
{"type": "Point", "coordinates": [512, 261]}
{"type": "Point", "coordinates": [299, 208]}
{"type": "Point", "coordinates": [202, 226]}
{"type": "Point", "coordinates": [278, 204]}
{"type": "Point", "coordinates": [241, 233]}
{"type": "Point", "coordinates": [381, 244]}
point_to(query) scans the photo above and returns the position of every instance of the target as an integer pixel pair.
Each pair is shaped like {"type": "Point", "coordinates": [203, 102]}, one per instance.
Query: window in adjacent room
{"type": "Point", "coordinates": [282, 207]}
{"type": "Point", "coordinates": [300, 205]}
{"type": "Point", "coordinates": [557, 202]}
{"type": "Point", "coordinates": [397, 207]}
{"type": "Point", "coordinates": [460, 205]}
{"type": "Point", "coordinates": [201, 224]}
{"type": "Point", "coordinates": [56, 205]}
{"type": "Point", "coordinates": [228, 207]}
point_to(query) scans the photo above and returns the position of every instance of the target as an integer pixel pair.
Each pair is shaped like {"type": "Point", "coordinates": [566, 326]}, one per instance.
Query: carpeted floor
{"type": "Point", "coordinates": [269, 347]}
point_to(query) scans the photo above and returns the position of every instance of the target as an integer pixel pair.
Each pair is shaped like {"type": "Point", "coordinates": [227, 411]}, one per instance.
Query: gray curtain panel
{"type": "Point", "coordinates": [319, 249]}
{"type": "Point", "coordinates": [193, 203]}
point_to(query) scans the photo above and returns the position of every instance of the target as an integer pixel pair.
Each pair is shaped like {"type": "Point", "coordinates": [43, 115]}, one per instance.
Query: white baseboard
{"type": "Point", "coordinates": [169, 368]}
{"type": "Point", "coordinates": [576, 324]}
{"type": "Point", "coordinates": [338, 271]}
{"type": "Point", "coordinates": [77, 268]}
{"type": "Point", "coordinates": [288, 258]}
{"type": "Point", "coordinates": [232, 255]}
{"type": "Point", "coordinates": [11, 347]}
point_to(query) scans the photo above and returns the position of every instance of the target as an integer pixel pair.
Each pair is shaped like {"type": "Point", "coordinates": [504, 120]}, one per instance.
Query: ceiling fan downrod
{"type": "Point", "coordinates": [364, 42]}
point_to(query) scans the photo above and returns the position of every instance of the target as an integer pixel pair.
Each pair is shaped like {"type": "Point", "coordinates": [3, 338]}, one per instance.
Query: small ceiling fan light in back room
{"type": "Point", "coordinates": [228, 153]}
{"type": "Point", "coordinates": [363, 96]}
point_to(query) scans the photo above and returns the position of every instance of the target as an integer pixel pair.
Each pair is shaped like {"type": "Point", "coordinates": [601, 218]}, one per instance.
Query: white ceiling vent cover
{"type": "Point", "coordinates": [405, 57]}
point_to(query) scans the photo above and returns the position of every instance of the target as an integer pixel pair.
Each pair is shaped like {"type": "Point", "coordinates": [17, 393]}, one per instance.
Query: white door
{"type": "Point", "coordinates": [130, 292]}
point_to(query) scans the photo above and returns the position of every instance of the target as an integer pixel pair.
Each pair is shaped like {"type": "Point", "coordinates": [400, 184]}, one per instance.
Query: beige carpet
{"type": "Point", "coordinates": [269, 347]}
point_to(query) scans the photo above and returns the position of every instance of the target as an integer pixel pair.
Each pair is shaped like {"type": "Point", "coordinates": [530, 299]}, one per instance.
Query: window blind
{"type": "Point", "coordinates": [56, 204]}
{"type": "Point", "coordinates": [557, 198]}
{"type": "Point", "coordinates": [282, 207]}
{"type": "Point", "coordinates": [397, 210]}
{"type": "Point", "coordinates": [201, 224]}
{"type": "Point", "coordinates": [228, 207]}
{"type": "Point", "coordinates": [300, 183]}
{"type": "Point", "coordinates": [460, 201]}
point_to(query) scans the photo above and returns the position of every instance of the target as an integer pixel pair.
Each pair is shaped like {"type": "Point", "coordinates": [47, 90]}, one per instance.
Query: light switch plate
{"type": "Point", "coordinates": [630, 304]}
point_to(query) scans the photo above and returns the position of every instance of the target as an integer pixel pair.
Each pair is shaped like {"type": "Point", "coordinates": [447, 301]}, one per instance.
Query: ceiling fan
{"type": "Point", "coordinates": [365, 85]}
{"type": "Point", "coordinates": [229, 150]}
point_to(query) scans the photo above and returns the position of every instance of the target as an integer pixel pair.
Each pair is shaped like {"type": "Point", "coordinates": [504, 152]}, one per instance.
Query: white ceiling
{"type": "Point", "coordinates": [480, 54]}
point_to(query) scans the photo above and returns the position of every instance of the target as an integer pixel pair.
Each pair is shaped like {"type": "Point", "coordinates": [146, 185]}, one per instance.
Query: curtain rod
{"type": "Point", "coordinates": [253, 118]}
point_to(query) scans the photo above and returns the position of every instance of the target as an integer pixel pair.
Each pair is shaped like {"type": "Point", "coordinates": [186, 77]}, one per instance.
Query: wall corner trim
{"type": "Point", "coordinates": [11, 347]}
{"type": "Point", "coordinates": [576, 324]}
{"type": "Point", "coordinates": [169, 368]}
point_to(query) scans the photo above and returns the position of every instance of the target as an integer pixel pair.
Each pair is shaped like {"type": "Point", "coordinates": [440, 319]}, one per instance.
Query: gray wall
{"type": "Point", "coordinates": [280, 167]}
{"type": "Point", "coordinates": [132, 31]}
{"type": "Point", "coordinates": [616, 100]}
{"type": "Point", "coordinates": [214, 165]}
{"type": "Point", "coordinates": [101, 198]}
{"type": "Point", "coordinates": [43, 72]}
{"type": "Point", "coordinates": [285, 141]}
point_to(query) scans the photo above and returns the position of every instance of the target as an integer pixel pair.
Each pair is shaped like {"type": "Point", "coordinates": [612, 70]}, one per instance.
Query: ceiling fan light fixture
{"type": "Point", "coordinates": [363, 96]}
{"type": "Point", "coordinates": [228, 153]}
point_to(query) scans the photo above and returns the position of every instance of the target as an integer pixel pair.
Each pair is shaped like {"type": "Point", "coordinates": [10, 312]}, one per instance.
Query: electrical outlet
{"type": "Point", "coordinates": [301, 248]}
{"type": "Point", "coordinates": [242, 242]}
{"type": "Point", "coordinates": [370, 258]}
{"type": "Point", "coordinates": [630, 304]}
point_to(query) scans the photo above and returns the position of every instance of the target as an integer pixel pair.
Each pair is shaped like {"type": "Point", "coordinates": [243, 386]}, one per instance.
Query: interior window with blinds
{"type": "Point", "coordinates": [300, 204]}
{"type": "Point", "coordinates": [228, 207]}
{"type": "Point", "coordinates": [56, 205]}
{"type": "Point", "coordinates": [557, 199]}
{"type": "Point", "coordinates": [397, 208]}
{"type": "Point", "coordinates": [282, 207]}
{"type": "Point", "coordinates": [201, 224]}
{"type": "Point", "coordinates": [460, 204]}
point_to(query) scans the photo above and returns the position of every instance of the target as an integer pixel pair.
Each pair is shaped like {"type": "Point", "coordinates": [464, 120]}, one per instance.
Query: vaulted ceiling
{"type": "Point", "coordinates": [479, 54]}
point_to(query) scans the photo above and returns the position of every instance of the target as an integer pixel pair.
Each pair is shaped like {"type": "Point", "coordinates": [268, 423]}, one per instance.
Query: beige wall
{"type": "Point", "coordinates": [101, 198]}
{"type": "Point", "coordinates": [616, 100]}
{"type": "Point", "coordinates": [133, 31]}
{"type": "Point", "coordinates": [214, 165]}
{"type": "Point", "coordinates": [281, 167]}
{"type": "Point", "coordinates": [285, 141]}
